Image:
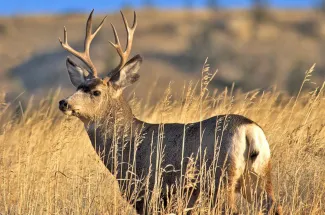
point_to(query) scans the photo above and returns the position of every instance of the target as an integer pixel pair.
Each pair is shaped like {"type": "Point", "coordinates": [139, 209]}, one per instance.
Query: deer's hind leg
{"type": "Point", "coordinates": [258, 190]}
{"type": "Point", "coordinates": [232, 188]}
{"type": "Point", "coordinates": [226, 186]}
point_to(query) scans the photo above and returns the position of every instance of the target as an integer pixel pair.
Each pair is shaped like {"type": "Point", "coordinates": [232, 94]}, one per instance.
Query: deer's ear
{"type": "Point", "coordinates": [77, 74]}
{"type": "Point", "coordinates": [128, 74]}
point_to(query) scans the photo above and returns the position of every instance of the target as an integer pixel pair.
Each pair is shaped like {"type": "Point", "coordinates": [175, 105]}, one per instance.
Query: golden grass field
{"type": "Point", "coordinates": [48, 166]}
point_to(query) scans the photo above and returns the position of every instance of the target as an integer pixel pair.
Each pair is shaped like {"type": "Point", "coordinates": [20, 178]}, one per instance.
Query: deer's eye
{"type": "Point", "coordinates": [96, 93]}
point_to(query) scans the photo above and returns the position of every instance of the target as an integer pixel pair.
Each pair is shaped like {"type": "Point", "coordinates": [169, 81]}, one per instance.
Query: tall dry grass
{"type": "Point", "coordinates": [48, 166]}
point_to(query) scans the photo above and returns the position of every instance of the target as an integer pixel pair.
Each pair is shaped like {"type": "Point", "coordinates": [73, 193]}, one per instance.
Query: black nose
{"type": "Point", "coordinates": [63, 105]}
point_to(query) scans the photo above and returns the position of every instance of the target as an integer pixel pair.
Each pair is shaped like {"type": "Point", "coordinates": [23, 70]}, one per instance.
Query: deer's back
{"type": "Point", "coordinates": [182, 142]}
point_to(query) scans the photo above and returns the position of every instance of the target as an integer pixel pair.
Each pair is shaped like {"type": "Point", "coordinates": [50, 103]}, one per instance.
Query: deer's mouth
{"type": "Point", "coordinates": [75, 112]}
{"type": "Point", "coordinates": [67, 112]}
{"type": "Point", "coordinates": [71, 112]}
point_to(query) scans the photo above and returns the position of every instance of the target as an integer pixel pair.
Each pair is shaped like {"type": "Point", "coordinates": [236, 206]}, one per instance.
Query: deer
{"type": "Point", "coordinates": [243, 151]}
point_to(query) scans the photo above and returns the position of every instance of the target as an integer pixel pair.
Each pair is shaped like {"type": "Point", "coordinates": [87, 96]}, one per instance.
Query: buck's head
{"type": "Point", "coordinates": [94, 94]}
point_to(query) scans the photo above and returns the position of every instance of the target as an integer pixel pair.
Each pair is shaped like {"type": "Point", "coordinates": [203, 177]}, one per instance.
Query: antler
{"type": "Point", "coordinates": [84, 56]}
{"type": "Point", "coordinates": [124, 55]}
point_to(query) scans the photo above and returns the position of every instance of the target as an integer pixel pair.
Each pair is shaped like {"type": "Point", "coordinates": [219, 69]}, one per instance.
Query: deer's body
{"type": "Point", "coordinates": [234, 139]}
{"type": "Point", "coordinates": [229, 145]}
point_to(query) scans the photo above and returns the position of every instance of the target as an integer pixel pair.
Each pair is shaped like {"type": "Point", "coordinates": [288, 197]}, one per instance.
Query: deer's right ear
{"type": "Point", "coordinates": [77, 74]}
{"type": "Point", "coordinates": [128, 74]}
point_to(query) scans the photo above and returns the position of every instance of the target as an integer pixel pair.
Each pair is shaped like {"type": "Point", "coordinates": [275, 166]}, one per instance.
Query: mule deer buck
{"type": "Point", "coordinates": [242, 149]}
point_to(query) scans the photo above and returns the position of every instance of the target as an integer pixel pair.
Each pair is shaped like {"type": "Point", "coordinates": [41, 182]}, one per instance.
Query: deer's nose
{"type": "Point", "coordinates": [63, 105]}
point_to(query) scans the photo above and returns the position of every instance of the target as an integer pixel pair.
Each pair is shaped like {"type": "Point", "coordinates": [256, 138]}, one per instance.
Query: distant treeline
{"type": "Point", "coordinates": [215, 4]}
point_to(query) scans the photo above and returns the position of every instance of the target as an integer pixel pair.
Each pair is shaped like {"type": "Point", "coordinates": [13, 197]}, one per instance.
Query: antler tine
{"type": "Point", "coordinates": [117, 44]}
{"type": "Point", "coordinates": [89, 27]}
{"type": "Point", "coordinates": [65, 44]}
{"type": "Point", "coordinates": [89, 35]}
{"type": "Point", "coordinates": [85, 55]}
{"type": "Point", "coordinates": [130, 32]}
{"type": "Point", "coordinates": [124, 55]}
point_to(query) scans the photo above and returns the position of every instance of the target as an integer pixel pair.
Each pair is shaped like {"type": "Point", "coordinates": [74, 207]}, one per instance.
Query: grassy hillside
{"type": "Point", "coordinates": [174, 44]}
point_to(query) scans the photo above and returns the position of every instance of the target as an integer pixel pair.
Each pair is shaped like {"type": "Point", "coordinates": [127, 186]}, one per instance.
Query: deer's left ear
{"type": "Point", "coordinates": [77, 74]}
{"type": "Point", "coordinates": [128, 74]}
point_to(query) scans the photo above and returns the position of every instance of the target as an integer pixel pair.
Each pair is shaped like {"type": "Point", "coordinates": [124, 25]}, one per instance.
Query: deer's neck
{"type": "Point", "coordinates": [117, 120]}
{"type": "Point", "coordinates": [115, 130]}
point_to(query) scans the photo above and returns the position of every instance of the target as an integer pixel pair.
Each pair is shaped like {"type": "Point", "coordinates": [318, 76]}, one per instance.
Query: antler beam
{"type": "Point", "coordinates": [124, 55]}
{"type": "Point", "coordinates": [85, 55]}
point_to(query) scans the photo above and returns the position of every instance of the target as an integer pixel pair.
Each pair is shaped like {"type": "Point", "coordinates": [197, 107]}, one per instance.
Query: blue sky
{"type": "Point", "coordinates": [14, 7]}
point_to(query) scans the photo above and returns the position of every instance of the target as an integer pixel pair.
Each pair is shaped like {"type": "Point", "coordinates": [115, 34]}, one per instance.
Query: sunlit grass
{"type": "Point", "coordinates": [48, 166]}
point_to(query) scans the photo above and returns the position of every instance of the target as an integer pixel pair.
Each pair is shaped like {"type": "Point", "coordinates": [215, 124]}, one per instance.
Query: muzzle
{"type": "Point", "coordinates": [63, 105]}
